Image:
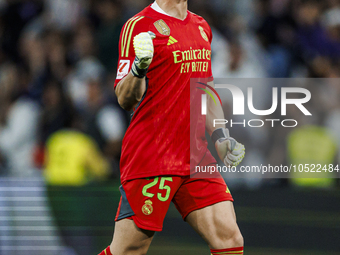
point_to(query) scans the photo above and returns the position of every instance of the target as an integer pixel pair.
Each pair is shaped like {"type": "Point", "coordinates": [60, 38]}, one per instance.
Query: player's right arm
{"type": "Point", "coordinates": [131, 88]}
{"type": "Point", "coordinates": [130, 91]}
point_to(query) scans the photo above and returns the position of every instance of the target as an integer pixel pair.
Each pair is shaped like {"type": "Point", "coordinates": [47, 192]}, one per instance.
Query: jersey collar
{"type": "Point", "coordinates": [168, 17]}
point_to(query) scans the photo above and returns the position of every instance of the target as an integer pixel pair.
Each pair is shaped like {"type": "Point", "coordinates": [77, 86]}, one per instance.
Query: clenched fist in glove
{"type": "Point", "coordinates": [143, 46]}
{"type": "Point", "coordinates": [228, 149]}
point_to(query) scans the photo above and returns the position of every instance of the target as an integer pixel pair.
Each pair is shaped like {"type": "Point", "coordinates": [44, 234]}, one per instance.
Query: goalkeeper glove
{"type": "Point", "coordinates": [142, 43]}
{"type": "Point", "coordinates": [228, 149]}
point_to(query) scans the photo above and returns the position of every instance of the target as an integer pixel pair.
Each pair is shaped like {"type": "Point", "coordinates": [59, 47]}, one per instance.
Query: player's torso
{"type": "Point", "coordinates": [158, 138]}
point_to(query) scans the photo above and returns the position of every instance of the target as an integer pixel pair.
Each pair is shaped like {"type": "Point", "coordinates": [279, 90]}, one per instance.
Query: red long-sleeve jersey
{"type": "Point", "coordinates": [157, 141]}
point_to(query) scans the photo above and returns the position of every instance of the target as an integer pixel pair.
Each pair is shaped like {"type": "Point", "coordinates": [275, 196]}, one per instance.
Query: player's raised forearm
{"type": "Point", "coordinates": [130, 91]}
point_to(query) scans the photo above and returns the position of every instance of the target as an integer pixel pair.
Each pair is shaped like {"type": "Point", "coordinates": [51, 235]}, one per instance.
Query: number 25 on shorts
{"type": "Point", "coordinates": [161, 187]}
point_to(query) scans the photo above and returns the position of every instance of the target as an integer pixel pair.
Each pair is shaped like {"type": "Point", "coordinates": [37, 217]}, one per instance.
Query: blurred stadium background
{"type": "Point", "coordinates": [61, 127]}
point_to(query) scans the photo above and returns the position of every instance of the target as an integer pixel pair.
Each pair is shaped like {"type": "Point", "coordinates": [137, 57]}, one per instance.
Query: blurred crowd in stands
{"type": "Point", "coordinates": [58, 62]}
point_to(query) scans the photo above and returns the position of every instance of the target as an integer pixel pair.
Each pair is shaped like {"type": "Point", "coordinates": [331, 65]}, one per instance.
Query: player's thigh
{"type": "Point", "coordinates": [128, 239]}
{"type": "Point", "coordinates": [216, 224]}
{"type": "Point", "coordinates": [206, 204]}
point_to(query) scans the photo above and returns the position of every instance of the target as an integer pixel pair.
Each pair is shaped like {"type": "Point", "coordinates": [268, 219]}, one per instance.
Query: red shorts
{"type": "Point", "coordinates": [147, 201]}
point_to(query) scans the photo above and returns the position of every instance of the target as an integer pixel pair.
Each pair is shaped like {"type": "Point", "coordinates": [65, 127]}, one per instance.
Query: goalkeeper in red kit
{"type": "Point", "coordinates": [161, 49]}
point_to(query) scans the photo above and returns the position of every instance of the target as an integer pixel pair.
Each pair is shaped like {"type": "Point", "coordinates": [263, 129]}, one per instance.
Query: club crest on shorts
{"type": "Point", "coordinates": [162, 27]}
{"type": "Point", "coordinates": [147, 208]}
{"type": "Point", "coordinates": [203, 33]}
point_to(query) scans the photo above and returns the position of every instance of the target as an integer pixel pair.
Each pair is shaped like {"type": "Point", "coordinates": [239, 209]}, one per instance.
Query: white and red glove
{"type": "Point", "coordinates": [143, 46]}
{"type": "Point", "coordinates": [228, 149]}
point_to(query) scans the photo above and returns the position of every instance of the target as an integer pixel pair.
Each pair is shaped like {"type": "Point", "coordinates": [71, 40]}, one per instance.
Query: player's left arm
{"type": "Point", "coordinates": [229, 150]}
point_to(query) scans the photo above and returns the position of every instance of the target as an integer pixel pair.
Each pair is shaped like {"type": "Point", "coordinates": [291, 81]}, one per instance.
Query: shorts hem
{"type": "Point", "coordinates": [142, 226]}
{"type": "Point", "coordinates": [229, 198]}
